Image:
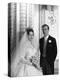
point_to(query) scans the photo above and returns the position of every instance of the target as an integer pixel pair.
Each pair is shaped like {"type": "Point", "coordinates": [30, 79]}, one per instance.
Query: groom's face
{"type": "Point", "coordinates": [45, 31]}
{"type": "Point", "coordinates": [30, 36]}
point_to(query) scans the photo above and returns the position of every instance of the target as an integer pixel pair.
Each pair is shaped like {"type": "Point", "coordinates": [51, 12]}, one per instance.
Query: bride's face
{"type": "Point", "coordinates": [30, 36]}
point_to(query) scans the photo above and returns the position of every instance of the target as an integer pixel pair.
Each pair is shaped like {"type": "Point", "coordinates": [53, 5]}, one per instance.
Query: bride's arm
{"type": "Point", "coordinates": [25, 61]}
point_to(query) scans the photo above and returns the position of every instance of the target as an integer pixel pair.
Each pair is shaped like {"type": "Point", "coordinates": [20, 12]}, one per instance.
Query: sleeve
{"type": "Point", "coordinates": [54, 49]}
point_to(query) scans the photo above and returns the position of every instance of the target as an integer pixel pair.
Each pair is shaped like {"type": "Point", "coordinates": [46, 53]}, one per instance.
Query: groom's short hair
{"type": "Point", "coordinates": [29, 30]}
{"type": "Point", "coordinates": [45, 25]}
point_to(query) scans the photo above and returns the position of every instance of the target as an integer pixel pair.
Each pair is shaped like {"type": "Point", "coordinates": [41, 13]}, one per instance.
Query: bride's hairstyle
{"type": "Point", "coordinates": [28, 30]}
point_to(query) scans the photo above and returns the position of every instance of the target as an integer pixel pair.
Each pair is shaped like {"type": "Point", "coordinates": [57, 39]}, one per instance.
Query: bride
{"type": "Point", "coordinates": [25, 62]}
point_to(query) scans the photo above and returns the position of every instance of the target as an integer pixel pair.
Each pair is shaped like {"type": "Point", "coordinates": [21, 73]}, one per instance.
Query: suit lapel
{"type": "Point", "coordinates": [48, 42]}
{"type": "Point", "coordinates": [43, 42]}
{"type": "Point", "coordinates": [48, 39]}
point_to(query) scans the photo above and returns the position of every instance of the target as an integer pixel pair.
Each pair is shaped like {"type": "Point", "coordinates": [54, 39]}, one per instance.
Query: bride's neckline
{"type": "Point", "coordinates": [31, 42]}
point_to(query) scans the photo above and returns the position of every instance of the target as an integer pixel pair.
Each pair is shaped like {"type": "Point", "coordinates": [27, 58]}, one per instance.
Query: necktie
{"type": "Point", "coordinates": [44, 48]}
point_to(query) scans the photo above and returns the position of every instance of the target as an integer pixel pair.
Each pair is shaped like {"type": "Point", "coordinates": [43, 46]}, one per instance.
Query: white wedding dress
{"type": "Point", "coordinates": [20, 69]}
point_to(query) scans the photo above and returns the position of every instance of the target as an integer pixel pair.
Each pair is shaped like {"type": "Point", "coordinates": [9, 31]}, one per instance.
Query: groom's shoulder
{"type": "Point", "coordinates": [52, 38]}
{"type": "Point", "coordinates": [41, 39]}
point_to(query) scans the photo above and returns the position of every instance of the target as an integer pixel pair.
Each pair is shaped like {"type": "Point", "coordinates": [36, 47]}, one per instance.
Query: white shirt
{"type": "Point", "coordinates": [45, 38]}
{"type": "Point", "coordinates": [45, 42]}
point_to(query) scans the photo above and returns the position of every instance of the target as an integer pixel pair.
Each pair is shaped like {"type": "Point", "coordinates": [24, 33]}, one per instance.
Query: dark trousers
{"type": "Point", "coordinates": [52, 67]}
{"type": "Point", "coordinates": [46, 67]}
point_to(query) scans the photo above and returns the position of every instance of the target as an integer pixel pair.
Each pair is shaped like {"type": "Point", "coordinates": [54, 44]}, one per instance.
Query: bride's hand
{"type": "Point", "coordinates": [34, 60]}
{"type": "Point", "coordinates": [25, 61]}
{"type": "Point", "coordinates": [28, 61]}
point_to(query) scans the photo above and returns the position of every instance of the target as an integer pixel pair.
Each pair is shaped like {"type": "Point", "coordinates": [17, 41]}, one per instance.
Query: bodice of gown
{"type": "Point", "coordinates": [30, 51]}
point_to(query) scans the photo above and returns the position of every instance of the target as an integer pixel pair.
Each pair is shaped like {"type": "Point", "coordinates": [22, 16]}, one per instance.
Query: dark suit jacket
{"type": "Point", "coordinates": [51, 49]}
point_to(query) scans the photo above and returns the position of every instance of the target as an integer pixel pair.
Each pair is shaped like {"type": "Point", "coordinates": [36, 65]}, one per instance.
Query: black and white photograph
{"type": "Point", "coordinates": [32, 39]}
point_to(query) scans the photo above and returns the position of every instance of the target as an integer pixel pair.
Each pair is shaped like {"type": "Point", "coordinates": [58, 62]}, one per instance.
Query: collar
{"type": "Point", "coordinates": [46, 37]}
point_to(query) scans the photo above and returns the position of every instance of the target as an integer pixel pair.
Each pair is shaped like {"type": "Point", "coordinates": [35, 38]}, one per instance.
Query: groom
{"type": "Point", "coordinates": [48, 49]}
